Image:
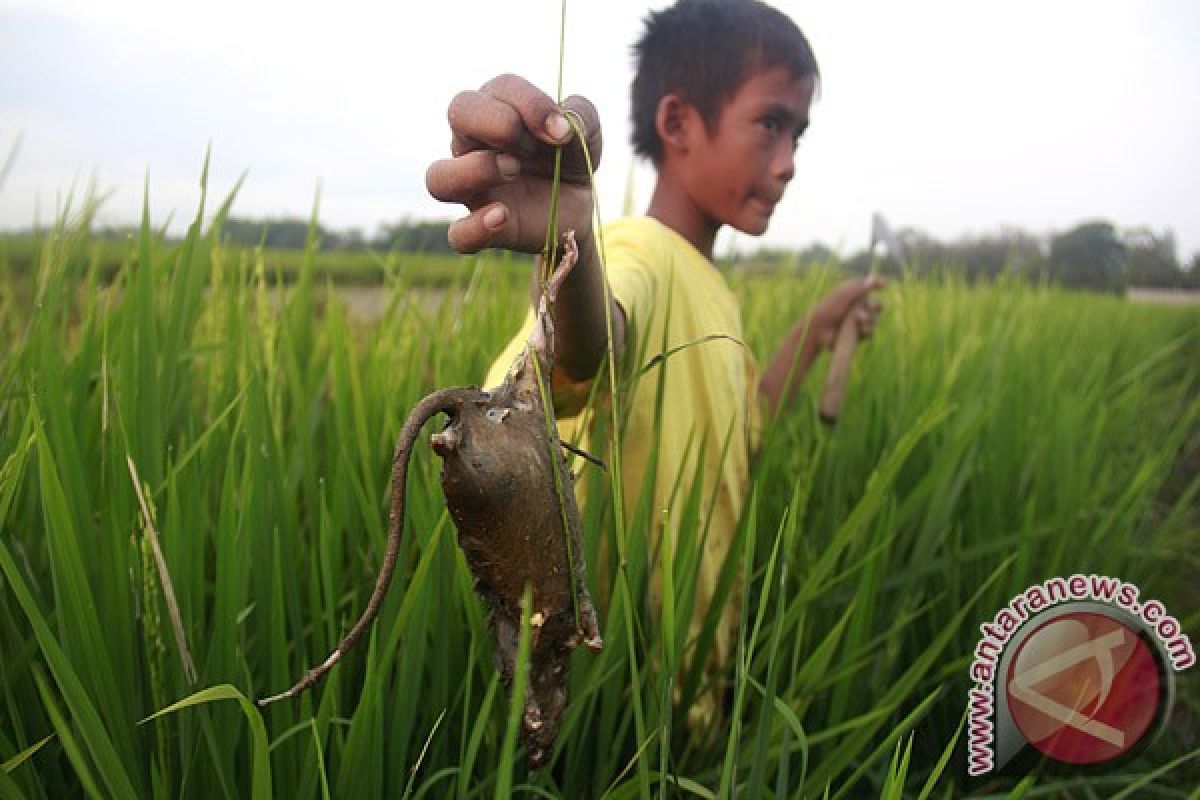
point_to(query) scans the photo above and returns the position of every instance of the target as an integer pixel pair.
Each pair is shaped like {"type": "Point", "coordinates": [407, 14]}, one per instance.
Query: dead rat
{"type": "Point", "coordinates": [510, 493]}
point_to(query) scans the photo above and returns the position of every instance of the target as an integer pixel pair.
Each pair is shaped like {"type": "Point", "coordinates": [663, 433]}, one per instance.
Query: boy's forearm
{"type": "Point", "coordinates": [580, 328]}
{"type": "Point", "coordinates": [781, 381]}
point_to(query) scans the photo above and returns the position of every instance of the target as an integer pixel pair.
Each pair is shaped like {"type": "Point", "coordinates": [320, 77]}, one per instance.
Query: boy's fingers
{"type": "Point", "coordinates": [490, 226]}
{"type": "Point", "coordinates": [589, 119]}
{"type": "Point", "coordinates": [539, 113]}
{"type": "Point", "coordinates": [867, 284]}
{"type": "Point", "coordinates": [865, 321]}
{"type": "Point", "coordinates": [855, 291]}
{"type": "Point", "coordinates": [480, 120]}
{"type": "Point", "coordinates": [459, 180]}
{"type": "Point", "coordinates": [844, 297]}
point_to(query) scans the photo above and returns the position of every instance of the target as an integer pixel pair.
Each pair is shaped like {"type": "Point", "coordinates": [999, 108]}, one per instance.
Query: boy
{"type": "Point", "coordinates": [720, 99]}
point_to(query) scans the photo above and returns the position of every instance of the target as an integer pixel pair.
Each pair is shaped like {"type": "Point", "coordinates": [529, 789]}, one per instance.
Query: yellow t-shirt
{"type": "Point", "coordinates": [673, 296]}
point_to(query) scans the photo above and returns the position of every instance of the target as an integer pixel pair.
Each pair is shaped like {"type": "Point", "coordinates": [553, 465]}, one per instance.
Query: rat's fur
{"type": "Point", "coordinates": [511, 497]}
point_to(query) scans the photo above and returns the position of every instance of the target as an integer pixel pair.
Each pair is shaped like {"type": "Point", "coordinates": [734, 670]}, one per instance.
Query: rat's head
{"type": "Point", "coordinates": [720, 97]}
{"type": "Point", "coordinates": [479, 447]}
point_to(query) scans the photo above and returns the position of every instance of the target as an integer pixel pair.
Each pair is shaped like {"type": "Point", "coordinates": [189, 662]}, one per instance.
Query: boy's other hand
{"type": "Point", "coordinates": [851, 297]}
{"type": "Point", "coordinates": [503, 142]}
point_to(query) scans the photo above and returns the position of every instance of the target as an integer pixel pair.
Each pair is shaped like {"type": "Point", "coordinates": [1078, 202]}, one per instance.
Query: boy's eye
{"type": "Point", "coordinates": [774, 125]}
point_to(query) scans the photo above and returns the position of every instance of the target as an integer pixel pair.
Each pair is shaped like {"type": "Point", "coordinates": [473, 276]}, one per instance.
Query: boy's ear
{"type": "Point", "coordinates": [673, 121]}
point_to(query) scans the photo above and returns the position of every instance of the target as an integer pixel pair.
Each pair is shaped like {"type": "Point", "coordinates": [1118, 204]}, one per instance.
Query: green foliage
{"type": "Point", "coordinates": [291, 233]}
{"type": "Point", "coordinates": [1152, 261]}
{"type": "Point", "coordinates": [414, 236]}
{"type": "Point", "coordinates": [993, 437]}
{"type": "Point", "coordinates": [1089, 256]}
{"type": "Point", "coordinates": [287, 233]}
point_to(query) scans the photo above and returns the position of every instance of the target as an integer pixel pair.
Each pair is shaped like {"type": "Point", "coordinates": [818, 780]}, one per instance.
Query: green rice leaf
{"type": "Point", "coordinates": [23, 756]}
{"type": "Point", "coordinates": [260, 772]}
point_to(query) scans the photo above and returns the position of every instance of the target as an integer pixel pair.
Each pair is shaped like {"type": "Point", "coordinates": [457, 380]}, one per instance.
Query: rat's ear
{"type": "Point", "coordinates": [673, 120]}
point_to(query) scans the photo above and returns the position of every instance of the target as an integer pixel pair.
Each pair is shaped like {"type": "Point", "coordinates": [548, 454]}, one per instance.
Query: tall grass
{"type": "Point", "coordinates": [992, 437]}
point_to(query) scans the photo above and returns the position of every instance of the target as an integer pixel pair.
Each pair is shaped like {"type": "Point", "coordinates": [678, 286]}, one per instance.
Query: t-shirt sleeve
{"type": "Point", "coordinates": [499, 367]}
{"type": "Point", "coordinates": [629, 268]}
{"type": "Point", "coordinates": [632, 284]}
{"type": "Point", "coordinates": [633, 267]}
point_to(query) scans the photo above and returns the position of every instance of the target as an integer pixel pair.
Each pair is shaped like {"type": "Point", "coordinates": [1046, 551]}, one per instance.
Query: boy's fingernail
{"type": "Point", "coordinates": [495, 218]}
{"type": "Point", "coordinates": [557, 126]}
{"type": "Point", "coordinates": [508, 166]}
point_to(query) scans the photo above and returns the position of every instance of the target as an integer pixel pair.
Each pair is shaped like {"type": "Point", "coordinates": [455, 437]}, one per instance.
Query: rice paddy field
{"type": "Point", "coordinates": [193, 498]}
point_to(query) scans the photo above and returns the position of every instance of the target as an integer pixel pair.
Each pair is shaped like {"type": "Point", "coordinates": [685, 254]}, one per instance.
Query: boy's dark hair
{"type": "Point", "coordinates": [703, 50]}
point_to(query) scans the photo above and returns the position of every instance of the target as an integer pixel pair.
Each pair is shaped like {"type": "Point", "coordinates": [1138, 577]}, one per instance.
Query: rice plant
{"type": "Point", "coordinates": [193, 466]}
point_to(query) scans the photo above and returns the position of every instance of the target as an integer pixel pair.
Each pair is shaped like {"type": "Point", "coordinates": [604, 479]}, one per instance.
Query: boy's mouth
{"type": "Point", "coordinates": [766, 206]}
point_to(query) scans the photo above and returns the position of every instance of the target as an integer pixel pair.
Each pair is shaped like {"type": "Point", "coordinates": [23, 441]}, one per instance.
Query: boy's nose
{"type": "Point", "coordinates": [783, 165]}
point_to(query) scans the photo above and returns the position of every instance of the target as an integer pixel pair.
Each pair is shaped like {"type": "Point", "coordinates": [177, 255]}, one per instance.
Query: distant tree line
{"type": "Point", "coordinates": [291, 233]}
{"type": "Point", "coordinates": [406, 236]}
{"type": "Point", "coordinates": [1092, 255]}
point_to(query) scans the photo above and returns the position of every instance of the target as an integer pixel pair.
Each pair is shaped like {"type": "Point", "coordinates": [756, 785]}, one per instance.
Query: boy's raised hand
{"type": "Point", "coordinates": [503, 142]}
{"type": "Point", "coordinates": [849, 301]}
{"type": "Point", "coordinates": [851, 297]}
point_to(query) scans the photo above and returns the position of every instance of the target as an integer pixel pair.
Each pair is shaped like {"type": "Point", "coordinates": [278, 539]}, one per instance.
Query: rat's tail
{"type": "Point", "coordinates": [444, 401]}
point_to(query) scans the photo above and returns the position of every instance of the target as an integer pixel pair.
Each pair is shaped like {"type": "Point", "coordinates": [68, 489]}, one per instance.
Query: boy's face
{"type": "Point", "coordinates": [738, 174]}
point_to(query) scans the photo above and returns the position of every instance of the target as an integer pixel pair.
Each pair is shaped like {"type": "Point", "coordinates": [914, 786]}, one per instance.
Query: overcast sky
{"type": "Point", "coordinates": [954, 117]}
